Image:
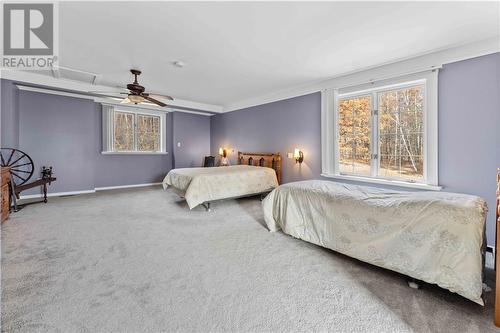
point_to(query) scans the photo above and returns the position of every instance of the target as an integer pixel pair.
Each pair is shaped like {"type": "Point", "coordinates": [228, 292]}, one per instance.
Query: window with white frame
{"type": "Point", "coordinates": [133, 130]}
{"type": "Point", "coordinates": [382, 132]}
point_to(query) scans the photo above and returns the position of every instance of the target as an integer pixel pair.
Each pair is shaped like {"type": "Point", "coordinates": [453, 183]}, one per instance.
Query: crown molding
{"type": "Point", "coordinates": [415, 64]}
{"type": "Point", "coordinates": [82, 89]}
{"type": "Point", "coordinates": [109, 101]}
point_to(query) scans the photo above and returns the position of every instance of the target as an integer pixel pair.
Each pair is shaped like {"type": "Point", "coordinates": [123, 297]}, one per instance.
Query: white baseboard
{"type": "Point", "coordinates": [55, 194]}
{"type": "Point", "coordinates": [61, 194]}
{"type": "Point", "coordinates": [124, 186]}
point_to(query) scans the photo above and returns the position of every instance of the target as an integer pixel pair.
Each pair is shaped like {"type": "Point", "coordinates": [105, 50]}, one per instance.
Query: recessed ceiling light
{"type": "Point", "coordinates": [179, 64]}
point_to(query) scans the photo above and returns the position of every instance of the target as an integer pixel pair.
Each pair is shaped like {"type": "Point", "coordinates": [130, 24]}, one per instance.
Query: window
{"type": "Point", "coordinates": [382, 133]}
{"type": "Point", "coordinates": [133, 131]}
{"type": "Point", "coordinates": [124, 128]}
{"type": "Point", "coordinates": [401, 134]}
{"type": "Point", "coordinates": [148, 133]}
{"type": "Point", "coordinates": [354, 141]}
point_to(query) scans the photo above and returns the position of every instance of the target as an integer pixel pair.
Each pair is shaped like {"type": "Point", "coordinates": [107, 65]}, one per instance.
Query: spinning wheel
{"type": "Point", "coordinates": [20, 164]}
{"type": "Point", "coordinates": [21, 169]}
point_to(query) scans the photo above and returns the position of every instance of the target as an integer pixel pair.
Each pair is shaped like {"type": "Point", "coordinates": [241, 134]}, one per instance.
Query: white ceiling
{"type": "Point", "coordinates": [240, 50]}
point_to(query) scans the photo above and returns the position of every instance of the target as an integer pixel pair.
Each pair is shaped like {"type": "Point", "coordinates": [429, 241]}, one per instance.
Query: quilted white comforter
{"type": "Point", "coordinates": [199, 185]}
{"type": "Point", "coordinates": [436, 237]}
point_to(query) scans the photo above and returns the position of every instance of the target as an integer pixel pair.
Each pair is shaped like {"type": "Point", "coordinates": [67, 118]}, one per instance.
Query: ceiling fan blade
{"type": "Point", "coordinates": [126, 100]}
{"type": "Point", "coordinates": [154, 101]}
{"type": "Point", "coordinates": [158, 96]}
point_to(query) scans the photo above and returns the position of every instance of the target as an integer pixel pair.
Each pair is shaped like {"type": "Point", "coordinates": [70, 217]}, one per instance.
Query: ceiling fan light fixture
{"type": "Point", "coordinates": [135, 98]}
{"type": "Point", "coordinates": [136, 94]}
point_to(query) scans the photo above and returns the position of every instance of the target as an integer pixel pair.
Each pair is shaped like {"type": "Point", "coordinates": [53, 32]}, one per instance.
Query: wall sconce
{"type": "Point", "coordinates": [298, 155]}
{"type": "Point", "coordinates": [224, 161]}
{"type": "Point", "coordinates": [222, 152]}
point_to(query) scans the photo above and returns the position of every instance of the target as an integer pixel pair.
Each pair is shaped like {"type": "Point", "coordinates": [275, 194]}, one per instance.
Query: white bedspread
{"type": "Point", "coordinates": [201, 185]}
{"type": "Point", "coordinates": [436, 237]}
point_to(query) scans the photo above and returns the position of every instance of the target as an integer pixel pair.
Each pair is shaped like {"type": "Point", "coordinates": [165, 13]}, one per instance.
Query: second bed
{"type": "Point", "coordinates": [256, 173]}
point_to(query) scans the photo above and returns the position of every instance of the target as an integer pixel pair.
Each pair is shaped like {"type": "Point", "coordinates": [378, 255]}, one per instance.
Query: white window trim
{"type": "Point", "coordinates": [108, 111]}
{"type": "Point", "coordinates": [329, 128]}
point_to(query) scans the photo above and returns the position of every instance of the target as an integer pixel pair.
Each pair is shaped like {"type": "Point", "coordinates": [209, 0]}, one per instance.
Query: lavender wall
{"type": "Point", "coordinates": [9, 118]}
{"type": "Point", "coordinates": [59, 131]}
{"type": "Point", "coordinates": [192, 132]}
{"type": "Point", "coordinates": [469, 129]}
{"type": "Point", "coordinates": [65, 132]}
{"type": "Point", "coordinates": [275, 127]}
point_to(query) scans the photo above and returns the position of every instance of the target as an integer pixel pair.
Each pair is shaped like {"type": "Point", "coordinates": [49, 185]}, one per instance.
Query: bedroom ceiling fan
{"type": "Point", "coordinates": [136, 93]}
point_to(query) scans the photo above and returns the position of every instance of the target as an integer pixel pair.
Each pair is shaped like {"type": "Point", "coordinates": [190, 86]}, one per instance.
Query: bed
{"type": "Point", "coordinates": [256, 173]}
{"type": "Point", "coordinates": [436, 237]}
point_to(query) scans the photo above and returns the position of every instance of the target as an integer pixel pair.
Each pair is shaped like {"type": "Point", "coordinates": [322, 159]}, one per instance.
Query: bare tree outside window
{"type": "Point", "coordinates": [148, 133]}
{"type": "Point", "coordinates": [136, 132]}
{"type": "Point", "coordinates": [401, 133]}
{"type": "Point", "coordinates": [123, 131]}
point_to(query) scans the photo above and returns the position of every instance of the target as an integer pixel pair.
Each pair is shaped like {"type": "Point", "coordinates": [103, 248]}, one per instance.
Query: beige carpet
{"type": "Point", "coordinates": [140, 261]}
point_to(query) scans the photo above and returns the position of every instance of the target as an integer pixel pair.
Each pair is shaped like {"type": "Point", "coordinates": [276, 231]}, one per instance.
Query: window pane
{"type": "Point", "coordinates": [401, 135]}
{"type": "Point", "coordinates": [148, 133]}
{"type": "Point", "coordinates": [123, 131]}
{"type": "Point", "coordinates": [354, 135]}
{"type": "Point", "coordinates": [389, 166]}
{"type": "Point", "coordinates": [401, 167]}
{"type": "Point", "coordinates": [346, 163]}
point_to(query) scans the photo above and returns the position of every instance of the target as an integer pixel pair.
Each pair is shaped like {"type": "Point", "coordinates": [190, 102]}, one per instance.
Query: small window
{"type": "Point", "coordinates": [131, 131]}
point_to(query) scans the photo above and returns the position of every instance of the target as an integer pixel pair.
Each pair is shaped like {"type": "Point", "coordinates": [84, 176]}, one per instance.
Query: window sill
{"type": "Point", "coordinates": [134, 152]}
{"type": "Point", "coordinates": [385, 182]}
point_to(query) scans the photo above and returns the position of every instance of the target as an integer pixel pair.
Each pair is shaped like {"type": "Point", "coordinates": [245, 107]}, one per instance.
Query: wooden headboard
{"type": "Point", "coordinates": [269, 160]}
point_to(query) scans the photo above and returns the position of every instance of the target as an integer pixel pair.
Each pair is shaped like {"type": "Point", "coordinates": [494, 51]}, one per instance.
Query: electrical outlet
{"type": "Point", "coordinates": [489, 260]}
{"type": "Point", "coordinates": [178, 144]}
{"type": "Point", "coordinates": [289, 155]}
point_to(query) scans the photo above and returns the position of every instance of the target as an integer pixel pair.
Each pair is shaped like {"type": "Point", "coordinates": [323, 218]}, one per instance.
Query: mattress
{"type": "Point", "coordinates": [199, 185]}
{"type": "Point", "coordinates": [436, 237]}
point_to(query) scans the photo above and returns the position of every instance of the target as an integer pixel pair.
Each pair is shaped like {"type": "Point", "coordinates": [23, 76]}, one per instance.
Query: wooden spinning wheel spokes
{"type": "Point", "coordinates": [20, 164]}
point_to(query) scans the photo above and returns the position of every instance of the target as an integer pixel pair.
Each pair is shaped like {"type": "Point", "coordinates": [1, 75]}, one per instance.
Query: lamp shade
{"type": "Point", "coordinates": [221, 151]}
{"type": "Point", "coordinates": [136, 98]}
{"type": "Point", "coordinates": [296, 153]}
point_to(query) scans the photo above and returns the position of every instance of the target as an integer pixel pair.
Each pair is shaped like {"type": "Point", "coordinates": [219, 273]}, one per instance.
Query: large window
{"type": "Point", "coordinates": [395, 148]}
{"type": "Point", "coordinates": [133, 131]}
{"type": "Point", "coordinates": [385, 133]}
